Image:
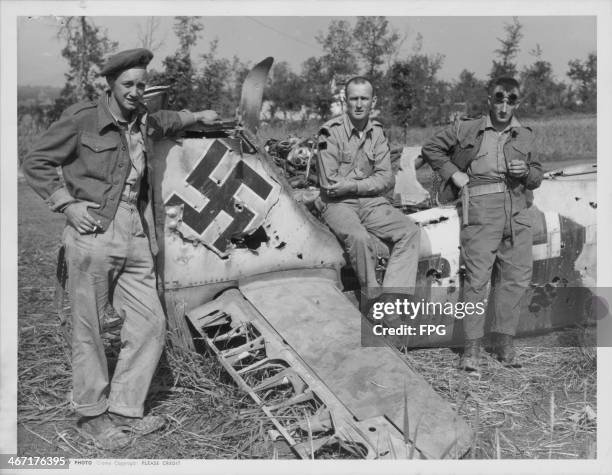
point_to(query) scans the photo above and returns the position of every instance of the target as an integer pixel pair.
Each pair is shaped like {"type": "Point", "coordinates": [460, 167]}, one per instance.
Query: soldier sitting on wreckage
{"type": "Point", "coordinates": [354, 171]}
{"type": "Point", "coordinates": [110, 241]}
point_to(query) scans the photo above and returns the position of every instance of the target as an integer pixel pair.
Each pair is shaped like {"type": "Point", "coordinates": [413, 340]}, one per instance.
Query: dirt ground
{"type": "Point", "coordinates": [545, 410]}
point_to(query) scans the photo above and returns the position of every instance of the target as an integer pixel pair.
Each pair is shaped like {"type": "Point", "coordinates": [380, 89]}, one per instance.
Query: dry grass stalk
{"type": "Point", "coordinates": [497, 446]}
{"type": "Point", "coordinates": [406, 424]}
{"type": "Point", "coordinates": [36, 434]}
{"type": "Point", "coordinates": [476, 432]}
{"type": "Point", "coordinates": [552, 421]}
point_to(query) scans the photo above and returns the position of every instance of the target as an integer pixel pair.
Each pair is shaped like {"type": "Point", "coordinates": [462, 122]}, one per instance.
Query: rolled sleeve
{"type": "Point", "coordinates": [165, 122]}
{"type": "Point", "coordinates": [535, 175]}
{"type": "Point", "coordinates": [447, 170]}
{"type": "Point", "coordinates": [187, 118]}
{"type": "Point", "coordinates": [59, 199]}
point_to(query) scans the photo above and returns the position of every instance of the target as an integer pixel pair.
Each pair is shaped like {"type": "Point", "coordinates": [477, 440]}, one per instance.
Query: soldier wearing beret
{"type": "Point", "coordinates": [493, 159]}
{"type": "Point", "coordinates": [354, 170]}
{"type": "Point", "coordinates": [102, 148]}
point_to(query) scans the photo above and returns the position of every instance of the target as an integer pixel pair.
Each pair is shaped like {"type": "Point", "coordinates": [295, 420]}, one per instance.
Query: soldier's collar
{"type": "Point", "coordinates": [349, 127]}
{"type": "Point", "coordinates": [514, 123]}
{"type": "Point", "coordinates": [106, 116]}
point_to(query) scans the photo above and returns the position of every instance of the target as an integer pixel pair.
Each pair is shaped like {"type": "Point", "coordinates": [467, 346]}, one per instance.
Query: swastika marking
{"type": "Point", "coordinates": [220, 195]}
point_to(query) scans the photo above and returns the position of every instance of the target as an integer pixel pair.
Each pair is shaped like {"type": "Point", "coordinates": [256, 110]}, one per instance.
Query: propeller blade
{"type": "Point", "coordinates": [252, 95]}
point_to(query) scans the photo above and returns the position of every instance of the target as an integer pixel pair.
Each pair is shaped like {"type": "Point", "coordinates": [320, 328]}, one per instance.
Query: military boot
{"type": "Point", "coordinates": [506, 353]}
{"type": "Point", "coordinates": [470, 360]}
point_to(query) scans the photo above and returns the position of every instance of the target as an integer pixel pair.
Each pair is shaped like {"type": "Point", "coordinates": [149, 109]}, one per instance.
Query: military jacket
{"type": "Point", "coordinates": [94, 157]}
{"type": "Point", "coordinates": [343, 154]}
{"type": "Point", "coordinates": [453, 149]}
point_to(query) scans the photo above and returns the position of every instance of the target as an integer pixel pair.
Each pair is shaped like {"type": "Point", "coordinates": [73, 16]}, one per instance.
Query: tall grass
{"type": "Point", "coordinates": [568, 137]}
{"type": "Point", "coordinates": [565, 137]}
{"type": "Point", "coordinates": [280, 130]}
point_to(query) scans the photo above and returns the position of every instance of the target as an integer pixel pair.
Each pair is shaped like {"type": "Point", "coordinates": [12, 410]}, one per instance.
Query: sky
{"type": "Point", "coordinates": [467, 42]}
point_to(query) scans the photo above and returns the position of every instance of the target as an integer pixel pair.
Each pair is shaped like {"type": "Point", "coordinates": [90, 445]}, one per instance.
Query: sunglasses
{"type": "Point", "coordinates": [500, 97]}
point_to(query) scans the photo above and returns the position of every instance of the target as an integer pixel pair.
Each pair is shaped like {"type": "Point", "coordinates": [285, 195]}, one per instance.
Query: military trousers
{"type": "Point", "coordinates": [353, 219]}
{"type": "Point", "coordinates": [115, 265]}
{"type": "Point", "coordinates": [496, 247]}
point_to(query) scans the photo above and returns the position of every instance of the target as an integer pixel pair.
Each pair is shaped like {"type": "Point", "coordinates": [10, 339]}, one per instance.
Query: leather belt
{"type": "Point", "coordinates": [487, 189]}
{"type": "Point", "coordinates": [128, 196]}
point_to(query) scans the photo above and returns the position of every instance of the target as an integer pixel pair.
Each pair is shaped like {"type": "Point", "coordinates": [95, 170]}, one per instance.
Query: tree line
{"type": "Point", "coordinates": [408, 89]}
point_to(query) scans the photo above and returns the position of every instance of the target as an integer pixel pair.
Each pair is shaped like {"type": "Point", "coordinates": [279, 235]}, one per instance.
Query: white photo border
{"type": "Point", "coordinates": [10, 10]}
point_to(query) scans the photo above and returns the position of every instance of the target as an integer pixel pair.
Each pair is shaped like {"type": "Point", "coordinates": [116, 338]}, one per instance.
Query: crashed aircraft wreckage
{"type": "Point", "coordinates": [259, 280]}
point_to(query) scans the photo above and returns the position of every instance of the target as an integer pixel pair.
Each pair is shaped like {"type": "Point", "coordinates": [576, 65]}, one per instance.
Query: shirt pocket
{"type": "Point", "coordinates": [366, 163]}
{"type": "Point", "coordinates": [465, 141]}
{"type": "Point", "coordinates": [480, 156]}
{"type": "Point", "coordinates": [346, 163]}
{"type": "Point", "coordinates": [96, 155]}
{"type": "Point", "coordinates": [346, 156]}
{"type": "Point", "coordinates": [520, 151]}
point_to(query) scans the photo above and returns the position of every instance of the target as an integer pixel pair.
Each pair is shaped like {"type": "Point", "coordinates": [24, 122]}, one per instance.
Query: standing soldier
{"type": "Point", "coordinates": [109, 238]}
{"type": "Point", "coordinates": [355, 172]}
{"type": "Point", "coordinates": [491, 160]}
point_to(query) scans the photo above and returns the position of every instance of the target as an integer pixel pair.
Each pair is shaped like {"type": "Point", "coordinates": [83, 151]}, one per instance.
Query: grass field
{"type": "Point", "coordinates": [545, 410]}
{"type": "Point", "coordinates": [565, 138]}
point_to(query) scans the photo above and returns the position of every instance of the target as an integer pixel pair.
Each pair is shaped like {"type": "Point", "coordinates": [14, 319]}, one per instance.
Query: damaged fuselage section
{"type": "Point", "coordinates": [258, 278]}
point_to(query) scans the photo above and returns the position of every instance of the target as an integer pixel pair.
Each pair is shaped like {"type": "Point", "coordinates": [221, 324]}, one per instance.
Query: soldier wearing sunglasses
{"type": "Point", "coordinates": [491, 160]}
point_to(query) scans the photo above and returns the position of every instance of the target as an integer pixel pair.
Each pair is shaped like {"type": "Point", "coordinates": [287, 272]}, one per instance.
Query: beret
{"type": "Point", "coordinates": [128, 59]}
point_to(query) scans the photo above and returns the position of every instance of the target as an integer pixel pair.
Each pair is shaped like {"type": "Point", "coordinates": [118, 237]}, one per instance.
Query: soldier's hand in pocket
{"type": "Point", "coordinates": [79, 218]}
